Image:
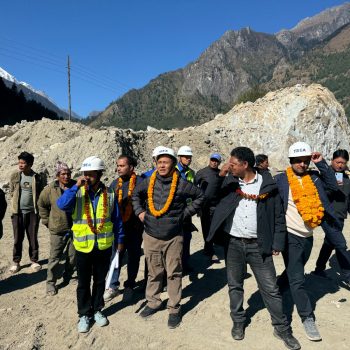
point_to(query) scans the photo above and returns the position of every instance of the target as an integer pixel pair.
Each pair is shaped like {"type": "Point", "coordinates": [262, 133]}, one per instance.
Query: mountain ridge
{"type": "Point", "coordinates": [236, 62]}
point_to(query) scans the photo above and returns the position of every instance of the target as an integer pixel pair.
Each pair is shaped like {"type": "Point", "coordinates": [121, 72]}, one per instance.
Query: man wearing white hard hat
{"type": "Point", "coordinates": [160, 201]}
{"type": "Point", "coordinates": [97, 226]}
{"type": "Point", "coordinates": [306, 206]}
{"type": "Point", "coordinates": [184, 155]}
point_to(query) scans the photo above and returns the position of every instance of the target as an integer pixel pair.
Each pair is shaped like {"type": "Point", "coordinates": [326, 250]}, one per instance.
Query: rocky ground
{"type": "Point", "coordinates": [32, 320]}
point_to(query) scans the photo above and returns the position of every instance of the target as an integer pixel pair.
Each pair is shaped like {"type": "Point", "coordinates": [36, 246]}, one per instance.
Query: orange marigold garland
{"type": "Point", "coordinates": [127, 211]}
{"type": "Point", "coordinates": [306, 198]}
{"type": "Point", "coordinates": [94, 229]}
{"type": "Point", "coordinates": [170, 198]}
{"type": "Point", "coordinates": [254, 197]}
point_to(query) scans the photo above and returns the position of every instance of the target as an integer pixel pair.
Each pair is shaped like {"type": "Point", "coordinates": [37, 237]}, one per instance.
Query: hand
{"type": "Point", "coordinates": [275, 253]}
{"type": "Point", "coordinates": [142, 216]}
{"type": "Point", "coordinates": [225, 169]}
{"type": "Point", "coordinates": [120, 247]}
{"type": "Point", "coordinates": [316, 157]}
{"type": "Point", "coordinates": [81, 181]}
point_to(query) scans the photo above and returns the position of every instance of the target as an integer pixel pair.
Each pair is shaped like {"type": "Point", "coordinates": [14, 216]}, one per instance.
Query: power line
{"type": "Point", "coordinates": [51, 59]}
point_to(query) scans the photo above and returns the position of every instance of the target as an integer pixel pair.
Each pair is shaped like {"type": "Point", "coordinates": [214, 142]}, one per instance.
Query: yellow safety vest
{"type": "Point", "coordinates": [83, 238]}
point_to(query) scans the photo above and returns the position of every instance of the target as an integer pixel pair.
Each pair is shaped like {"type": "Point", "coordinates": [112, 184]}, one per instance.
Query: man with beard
{"type": "Point", "coordinates": [124, 187]}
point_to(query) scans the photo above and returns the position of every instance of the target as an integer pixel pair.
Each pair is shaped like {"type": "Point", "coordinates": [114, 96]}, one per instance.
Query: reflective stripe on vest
{"type": "Point", "coordinates": [84, 238]}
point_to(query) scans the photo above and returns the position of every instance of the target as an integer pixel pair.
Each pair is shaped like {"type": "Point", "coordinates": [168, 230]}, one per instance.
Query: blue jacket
{"type": "Point", "coordinates": [67, 203]}
{"type": "Point", "coordinates": [324, 181]}
{"type": "Point", "coordinates": [148, 173]}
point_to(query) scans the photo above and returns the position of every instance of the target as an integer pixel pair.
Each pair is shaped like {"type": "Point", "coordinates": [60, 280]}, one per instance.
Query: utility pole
{"type": "Point", "coordinates": [69, 98]}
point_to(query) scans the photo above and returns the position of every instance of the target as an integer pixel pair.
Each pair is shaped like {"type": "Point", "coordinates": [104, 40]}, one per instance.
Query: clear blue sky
{"type": "Point", "coordinates": [118, 45]}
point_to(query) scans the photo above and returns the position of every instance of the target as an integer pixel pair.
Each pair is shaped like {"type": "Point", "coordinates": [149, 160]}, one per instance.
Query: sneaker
{"type": "Point", "coordinates": [51, 289]}
{"type": "Point", "coordinates": [237, 331]}
{"type": "Point", "coordinates": [148, 312]}
{"type": "Point", "coordinates": [174, 320]}
{"type": "Point", "coordinates": [15, 268]}
{"type": "Point", "coordinates": [100, 319]}
{"type": "Point", "coordinates": [84, 324]}
{"type": "Point", "coordinates": [35, 267]}
{"type": "Point", "coordinates": [110, 293]}
{"type": "Point", "coordinates": [128, 294]}
{"type": "Point", "coordinates": [287, 337]}
{"type": "Point", "coordinates": [311, 329]}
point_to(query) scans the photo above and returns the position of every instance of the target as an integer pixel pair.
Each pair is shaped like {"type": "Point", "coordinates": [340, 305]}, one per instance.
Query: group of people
{"type": "Point", "coordinates": [242, 207]}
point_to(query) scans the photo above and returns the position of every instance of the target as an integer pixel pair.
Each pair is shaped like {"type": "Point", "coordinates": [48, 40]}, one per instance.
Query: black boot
{"type": "Point", "coordinates": [237, 331]}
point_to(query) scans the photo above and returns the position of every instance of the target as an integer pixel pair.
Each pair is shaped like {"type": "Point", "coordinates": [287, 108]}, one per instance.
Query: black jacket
{"type": "Point", "coordinates": [271, 228]}
{"type": "Point", "coordinates": [203, 178]}
{"type": "Point", "coordinates": [3, 206]}
{"type": "Point", "coordinates": [340, 199]}
{"type": "Point", "coordinates": [187, 202]}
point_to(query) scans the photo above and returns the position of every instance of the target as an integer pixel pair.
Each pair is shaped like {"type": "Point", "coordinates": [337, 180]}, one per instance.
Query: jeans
{"type": "Point", "coordinates": [239, 254]}
{"type": "Point", "coordinates": [94, 264]}
{"type": "Point", "coordinates": [334, 240]}
{"type": "Point", "coordinates": [295, 258]}
{"type": "Point", "coordinates": [132, 243]}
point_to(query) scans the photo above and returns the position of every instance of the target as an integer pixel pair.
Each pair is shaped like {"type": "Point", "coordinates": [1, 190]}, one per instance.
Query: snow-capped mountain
{"type": "Point", "coordinates": [30, 93]}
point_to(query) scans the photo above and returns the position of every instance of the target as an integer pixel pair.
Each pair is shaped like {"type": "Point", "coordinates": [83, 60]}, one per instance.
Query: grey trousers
{"type": "Point", "coordinates": [164, 256]}
{"type": "Point", "coordinates": [58, 243]}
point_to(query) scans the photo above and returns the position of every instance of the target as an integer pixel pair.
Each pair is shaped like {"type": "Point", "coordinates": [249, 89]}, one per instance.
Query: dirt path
{"type": "Point", "coordinates": [31, 320]}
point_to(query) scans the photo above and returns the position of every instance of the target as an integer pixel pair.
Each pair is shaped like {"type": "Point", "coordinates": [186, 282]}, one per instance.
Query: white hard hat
{"type": "Point", "coordinates": [92, 163]}
{"type": "Point", "coordinates": [299, 149]}
{"type": "Point", "coordinates": [155, 151]}
{"type": "Point", "coordinates": [167, 151]}
{"type": "Point", "coordinates": [185, 151]}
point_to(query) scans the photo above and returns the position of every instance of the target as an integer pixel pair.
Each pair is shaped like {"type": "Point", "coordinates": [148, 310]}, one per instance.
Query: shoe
{"type": "Point", "coordinates": [148, 312]}
{"type": "Point", "coordinates": [346, 282]}
{"type": "Point", "coordinates": [110, 293]}
{"type": "Point", "coordinates": [287, 337]}
{"type": "Point", "coordinates": [319, 273]}
{"type": "Point", "coordinates": [51, 290]}
{"type": "Point", "coordinates": [15, 268]}
{"type": "Point", "coordinates": [35, 267]}
{"type": "Point", "coordinates": [100, 319]}
{"type": "Point", "coordinates": [174, 320]}
{"type": "Point", "coordinates": [128, 294]}
{"type": "Point", "coordinates": [311, 329]}
{"type": "Point", "coordinates": [237, 331]}
{"type": "Point", "coordinates": [84, 324]}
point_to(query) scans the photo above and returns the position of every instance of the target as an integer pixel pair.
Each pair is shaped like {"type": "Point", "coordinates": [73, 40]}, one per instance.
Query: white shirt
{"type": "Point", "coordinates": [244, 223]}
